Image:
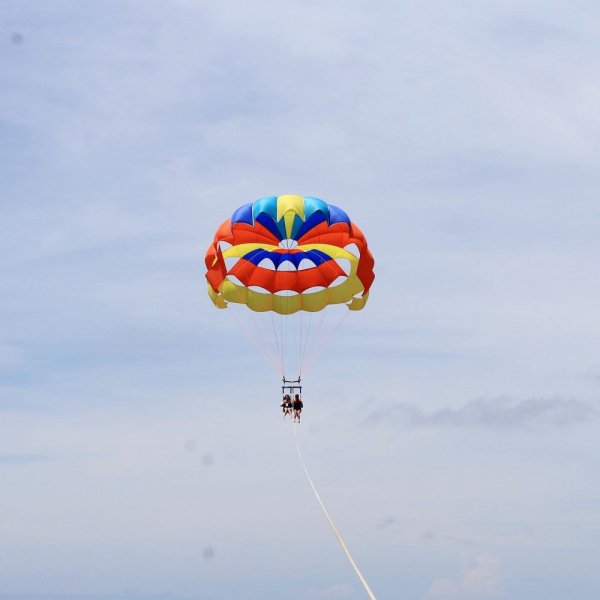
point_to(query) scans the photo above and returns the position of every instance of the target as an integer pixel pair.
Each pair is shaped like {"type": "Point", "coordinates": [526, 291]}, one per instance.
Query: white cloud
{"type": "Point", "coordinates": [493, 413]}
{"type": "Point", "coordinates": [340, 590]}
{"type": "Point", "coordinates": [10, 355]}
{"type": "Point", "coordinates": [480, 579]}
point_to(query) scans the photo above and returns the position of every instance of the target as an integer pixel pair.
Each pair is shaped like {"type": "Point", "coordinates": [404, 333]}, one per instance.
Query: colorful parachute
{"type": "Point", "coordinates": [287, 256]}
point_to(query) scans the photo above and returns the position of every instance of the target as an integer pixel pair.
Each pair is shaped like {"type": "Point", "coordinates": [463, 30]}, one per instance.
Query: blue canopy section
{"type": "Point", "coordinates": [266, 221]}
{"type": "Point", "coordinates": [298, 222]}
{"type": "Point", "coordinates": [314, 205]}
{"type": "Point", "coordinates": [337, 215]}
{"type": "Point", "coordinates": [295, 258]}
{"type": "Point", "coordinates": [264, 211]}
{"type": "Point", "coordinates": [267, 206]}
{"type": "Point", "coordinates": [281, 227]}
{"type": "Point", "coordinates": [313, 221]}
{"type": "Point", "coordinates": [243, 215]}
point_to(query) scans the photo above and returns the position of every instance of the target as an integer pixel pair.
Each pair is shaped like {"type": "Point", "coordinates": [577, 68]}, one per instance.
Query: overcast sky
{"type": "Point", "coordinates": [451, 427]}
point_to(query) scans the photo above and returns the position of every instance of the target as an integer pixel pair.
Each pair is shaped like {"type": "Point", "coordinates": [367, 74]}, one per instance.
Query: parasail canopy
{"type": "Point", "coordinates": [289, 255]}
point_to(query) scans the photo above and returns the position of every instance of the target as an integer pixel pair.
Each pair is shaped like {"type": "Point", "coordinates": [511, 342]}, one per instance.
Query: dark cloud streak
{"type": "Point", "coordinates": [21, 459]}
{"type": "Point", "coordinates": [495, 413]}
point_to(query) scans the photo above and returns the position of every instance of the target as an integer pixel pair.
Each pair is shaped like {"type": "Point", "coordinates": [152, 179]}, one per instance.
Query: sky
{"type": "Point", "coordinates": [451, 427]}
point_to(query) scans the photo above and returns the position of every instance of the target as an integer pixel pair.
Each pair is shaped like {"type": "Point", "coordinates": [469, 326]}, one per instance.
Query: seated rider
{"type": "Point", "coordinates": [287, 406]}
{"type": "Point", "coordinates": [298, 406]}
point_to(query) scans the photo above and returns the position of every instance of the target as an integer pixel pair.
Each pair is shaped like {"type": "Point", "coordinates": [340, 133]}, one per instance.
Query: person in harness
{"type": "Point", "coordinates": [287, 406]}
{"type": "Point", "coordinates": [298, 406]}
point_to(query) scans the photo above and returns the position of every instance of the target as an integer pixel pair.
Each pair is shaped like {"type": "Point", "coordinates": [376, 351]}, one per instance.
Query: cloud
{"type": "Point", "coordinates": [594, 372]}
{"type": "Point", "coordinates": [340, 590]}
{"type": "Point", "coordinates": [527, 32]}
{"type": "Point", "coordinates": [494, 413]}
{"type": "Point", "coordinates": [10, 355]}
{"type": "Point", "coordinates": [465, 541]}
{"type": "Point", "coordinates": [387, 522]}
{"type": "Point", "coordinates": [391, 523]}
{"type": "Point", "coordinates": [21, 459]}
{"type": "Point", "coordinates": [431, 536]}
{"type": "Point", "coordinates": [480, 579]}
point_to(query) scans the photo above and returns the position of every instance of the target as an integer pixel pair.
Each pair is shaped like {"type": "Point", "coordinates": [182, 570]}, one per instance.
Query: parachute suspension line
{"type": "Point", "coordinates": [295, 326]}
{"type": "Point", "coordinates": [267, 327]}
{"type": "Point", "coordinates": [307, 334]}
{"type": "Point", "coordinates": [317, 348]}
{"type": "Point", "coordinates": [310, 366]}
{"type": "Point", "coordinates": [308, 343]}
{"type": "Point", "coordinates": [328, 315]}
{"type": "Point", "coordinates": [335, 531]}
{"type": "Point", "coordinates": [333, 325]}
{"type": "Point", "coordinates": [268, 346]}
{"type": "Point", "coordinates": [289, 322]}
{"type": "Point", "coordinates": [253, 340]}
{"type": "Point", "coordinates": [300, 352]}
{"type": "Point", "coordinates": [324, 311]}
{"type": "Point", "coordinates": [296, 318]}
{"type": "Point", "coordinates": [260, 333]}
{"type": "Point", "coordinates": [282, 340]}
{"type": "Point", "coordinates": [285, 323]}
{"type": "Point", "coordinates": [315, 337]}
{"type": "Point", "coordinates": [271, 359]}
{"type": "Point", "coordinates": [272, 336]}
{"type": "Point", "coordinates": [277, 343]}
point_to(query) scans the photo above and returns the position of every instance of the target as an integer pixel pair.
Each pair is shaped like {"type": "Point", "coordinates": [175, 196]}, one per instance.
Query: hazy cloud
{"type": "Point", "coordinates": [528, 32]}
{"type": "Point", "coordinates": [341, 590]}
{"type": "Point", "coordinates": [392, 524]}
{"type": "Point", "coordinates": [21, 459]}
{"type": "Point", "coordinates": [494, 413]}
{"type": "Point", "coordinates": [594, 372]}
{"type": "Point", "coordinates": [387, 522]}
{"type": "Point", "coordinates": [480, 579]}
{"type": "Point", "coordinates": [431, 536]}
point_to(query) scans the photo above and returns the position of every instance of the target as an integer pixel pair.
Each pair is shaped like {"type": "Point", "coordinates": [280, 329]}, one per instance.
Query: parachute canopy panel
{"type": "Point", "coordinates": [284, 254]}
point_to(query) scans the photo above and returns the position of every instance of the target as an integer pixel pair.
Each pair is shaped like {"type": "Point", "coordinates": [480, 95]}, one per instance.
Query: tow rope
{"type": "Point", "coordinates": [337, 535]}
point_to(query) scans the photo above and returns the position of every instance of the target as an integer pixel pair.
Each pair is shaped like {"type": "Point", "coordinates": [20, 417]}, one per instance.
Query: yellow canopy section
{"type": "Point", "coordinates": [288, 305]}
{"type": "Point", "coordinates": [288, 207]}
{"type": "Point", "coordinates": [345, 293]}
